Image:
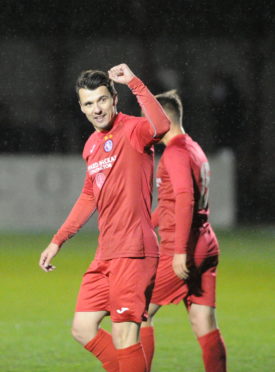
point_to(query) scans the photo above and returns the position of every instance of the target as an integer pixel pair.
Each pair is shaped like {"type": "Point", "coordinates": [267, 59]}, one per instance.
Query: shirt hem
{"type": "Point", "coordinates": [104, 258]}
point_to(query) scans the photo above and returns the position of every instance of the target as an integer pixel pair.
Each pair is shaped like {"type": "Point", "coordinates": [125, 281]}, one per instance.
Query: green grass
{"type": "Point", "coordinates": [36, 308]}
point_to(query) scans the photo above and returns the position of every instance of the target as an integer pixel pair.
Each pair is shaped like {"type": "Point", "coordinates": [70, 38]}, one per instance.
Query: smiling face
{"type": "Point", "coordinates": [99, 106]}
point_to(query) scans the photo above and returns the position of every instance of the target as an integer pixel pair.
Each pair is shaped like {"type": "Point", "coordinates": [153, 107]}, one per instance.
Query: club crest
{"type": "Point", "coordinates": [108, 145]}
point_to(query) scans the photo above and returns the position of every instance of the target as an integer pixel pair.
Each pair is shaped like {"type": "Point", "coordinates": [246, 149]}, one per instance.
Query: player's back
{"type": "Point", "coordinates": [201, 178]}
{"type": "Point", "coordinates": [183, 168]}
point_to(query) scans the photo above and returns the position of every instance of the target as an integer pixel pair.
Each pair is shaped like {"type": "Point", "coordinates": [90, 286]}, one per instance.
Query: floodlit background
{"type": "Point", "coordinates": [219, 55]}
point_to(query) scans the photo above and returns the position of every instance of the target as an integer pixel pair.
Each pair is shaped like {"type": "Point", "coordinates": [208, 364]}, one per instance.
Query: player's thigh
{"type": "Point", "coordinates": [153, 309]}
{"type": "Point", "coordinates": [131, 284]}
{"type": "Point", "coordinates": [202, 283]}
{"type": "Point", "coordinates": [203, 243]}
{"type": "Point", "coordinates": [201, 298]}
{"type": "Point", "coordinates": [168, 289]}
{"type": "Point", "coordinates": [93, 294]}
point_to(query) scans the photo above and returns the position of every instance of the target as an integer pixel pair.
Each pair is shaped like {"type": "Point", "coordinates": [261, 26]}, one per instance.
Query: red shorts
{"type": "Point", "coordinates": [121, 286]}
{"type": "Point", "coordinates": [199, 288]}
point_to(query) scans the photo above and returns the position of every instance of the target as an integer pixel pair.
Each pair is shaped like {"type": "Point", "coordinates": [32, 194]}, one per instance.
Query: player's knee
{"type": "Point", "coordinates": [202, 320]}
{"type": "Point", "coordinates": [81, 333]}
{"type": "Point", "coordinates": [125, 334]}
{"type": "Point", "coordinates": [76, 333]}
{"type": "Point", "coordinates": [194, 319]}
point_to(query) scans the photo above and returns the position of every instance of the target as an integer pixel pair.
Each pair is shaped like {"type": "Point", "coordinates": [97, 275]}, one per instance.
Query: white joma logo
{"type": "Point", "coordinates": [120, 311]}
{"type": "Point", "coordinates": [92, 149]}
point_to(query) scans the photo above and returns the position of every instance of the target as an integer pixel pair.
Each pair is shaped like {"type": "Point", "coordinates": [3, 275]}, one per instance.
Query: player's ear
{"type": "Point", "coordinates": [81, 107]}
{"type": "Point", "coordinates": [115, 100]}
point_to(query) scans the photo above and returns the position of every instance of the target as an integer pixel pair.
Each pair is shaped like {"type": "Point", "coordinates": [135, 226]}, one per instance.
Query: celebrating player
{"type": "Point", "coordinates": [188, 246]}
{"type": "Point", "coordinates": [118, 184]}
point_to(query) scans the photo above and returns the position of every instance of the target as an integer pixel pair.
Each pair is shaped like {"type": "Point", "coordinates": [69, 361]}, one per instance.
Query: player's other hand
{"type": "Point", "coordinates": [121, 74]}
{"type": "Point", "coordinates": [46, 257]}
{"type": "Point", "coordinates": [179, 265]}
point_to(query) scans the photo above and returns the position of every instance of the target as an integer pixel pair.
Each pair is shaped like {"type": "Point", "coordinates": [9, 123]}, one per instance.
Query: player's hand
{"type": "Point", "coordinates": [46, 257]}
{"type": "Point", "coordinates": [179, 265]}
{"type": "Point", "coordinates": [121, 74]}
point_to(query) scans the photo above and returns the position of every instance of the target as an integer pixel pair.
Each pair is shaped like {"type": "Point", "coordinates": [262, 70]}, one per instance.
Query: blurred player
{"type": "Point", "coordinates": [118, 184]}
{"type": "Point", "coordinates": [188, 245]}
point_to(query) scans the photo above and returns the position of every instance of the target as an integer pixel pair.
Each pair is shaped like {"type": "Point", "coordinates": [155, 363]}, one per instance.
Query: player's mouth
{"type": "Point", "coordinates": [100, 118]}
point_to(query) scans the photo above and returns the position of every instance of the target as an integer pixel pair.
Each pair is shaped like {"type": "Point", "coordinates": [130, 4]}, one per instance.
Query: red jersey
{"type": "Point", "coordinates": [119, 180]}
{"type": "Point", "coordinates": [183, 170]}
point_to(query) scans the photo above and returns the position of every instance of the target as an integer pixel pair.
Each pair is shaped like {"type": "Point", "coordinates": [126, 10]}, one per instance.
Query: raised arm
{"type": "Point", "coordinates": [153, 111]}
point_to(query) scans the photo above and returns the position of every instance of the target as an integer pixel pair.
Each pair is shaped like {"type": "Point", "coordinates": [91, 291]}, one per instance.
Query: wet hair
{"type": "Point", "coordinates": [92, 79]}
{"type": "Point", "coordinates": [170, 101]}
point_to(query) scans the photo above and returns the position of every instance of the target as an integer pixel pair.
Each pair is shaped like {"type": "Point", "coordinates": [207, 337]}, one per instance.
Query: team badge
{"type": "Point", "coordinates": [100, 179]}
{"type": "Point", "coordinates": [108, 145]}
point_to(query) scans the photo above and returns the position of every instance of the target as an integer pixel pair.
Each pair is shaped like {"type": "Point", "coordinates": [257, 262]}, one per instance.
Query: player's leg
{"type": "Point", "coordinates": [201, 305]}
{"type": "Point", "coordinates": [96, 340]}
{"type": "Point", "coordinates": [202, 319]}
{"type": "Point", "coordinates": [204, 325]}
{"type": "Point", "coordinates": [86, 325]}
{"type": "Point", "coordinates": [131, 286]}
{"type": "Point", "coordinates": [125, 334]}
{"type": "Point", "coordinates": [93, 296]}
{"type": "Point", "coordinates": [129, 350]}
{"type": "Point", "coordinates": [213, 351]}
{"type": "Point", "coordinates": [202, 297]}
{"type": "Point", "coordinates": [168, 289]}
{"type": "Point", "coordinates": [147, 335]}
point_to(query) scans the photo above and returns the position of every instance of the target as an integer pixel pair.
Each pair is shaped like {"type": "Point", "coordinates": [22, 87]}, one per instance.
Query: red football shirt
{"type": "Point", "coordinates": [119, 181]}
{"type": "Point", "coordinates": [183, 170]}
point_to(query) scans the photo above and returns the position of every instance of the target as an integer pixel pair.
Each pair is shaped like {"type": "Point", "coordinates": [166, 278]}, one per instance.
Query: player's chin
{"type": "Point", "coordinates": [103, 126]}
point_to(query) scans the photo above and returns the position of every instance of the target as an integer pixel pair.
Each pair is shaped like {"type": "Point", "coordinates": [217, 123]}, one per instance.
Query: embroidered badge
{"type": "Point", "coordinates": [108, 145]}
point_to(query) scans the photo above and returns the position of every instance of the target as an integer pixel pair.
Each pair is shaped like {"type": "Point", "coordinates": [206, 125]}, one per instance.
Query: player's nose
{"type": "Point", "coordinates": [97, 109]}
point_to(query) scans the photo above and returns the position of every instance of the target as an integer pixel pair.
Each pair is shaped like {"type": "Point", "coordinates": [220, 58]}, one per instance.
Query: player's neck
{"type": "Point", "coordinates": [174, 131]}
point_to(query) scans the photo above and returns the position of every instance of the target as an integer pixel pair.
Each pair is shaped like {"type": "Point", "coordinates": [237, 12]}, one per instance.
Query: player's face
{"type": "Point", "coordinates": [99, 107]}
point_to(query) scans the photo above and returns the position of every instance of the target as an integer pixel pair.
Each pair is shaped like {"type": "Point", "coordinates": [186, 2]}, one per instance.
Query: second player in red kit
{"type": "Point", "coordinates": [188, 245]}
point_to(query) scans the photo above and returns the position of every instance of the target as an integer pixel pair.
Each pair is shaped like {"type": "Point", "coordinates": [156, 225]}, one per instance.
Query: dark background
{"type": "Point", "coordinates": [219, 55]}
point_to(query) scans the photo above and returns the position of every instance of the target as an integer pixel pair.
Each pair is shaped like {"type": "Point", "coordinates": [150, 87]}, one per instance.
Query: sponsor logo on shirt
{"type": "Point", "coordinates": [100, 179]}
{"type": "Point", "coordinates": [100, 165]}
{"type": "Point", "coordinates": [158, 182]}
{"type": "Point", "coordinates": [122, 310]}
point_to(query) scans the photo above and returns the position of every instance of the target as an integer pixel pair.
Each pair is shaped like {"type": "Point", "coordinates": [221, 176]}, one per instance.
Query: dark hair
{"type": "Point", "coordinates": [92, 79]}
{"type": "Point", "coordinates": [171, 101]}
